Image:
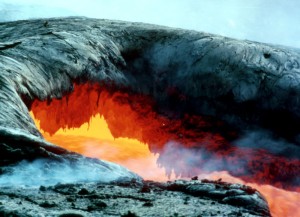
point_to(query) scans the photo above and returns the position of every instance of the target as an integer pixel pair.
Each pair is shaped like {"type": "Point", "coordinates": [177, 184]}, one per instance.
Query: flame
{"type": "Point", "coordinates": [124, 128]}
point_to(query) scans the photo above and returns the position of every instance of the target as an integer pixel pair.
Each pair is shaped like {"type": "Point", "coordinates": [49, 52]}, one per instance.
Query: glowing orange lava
{"type": "Point", "coordinates": [95, 140]}
{"type": "Point", "coordinates": [124, 129]}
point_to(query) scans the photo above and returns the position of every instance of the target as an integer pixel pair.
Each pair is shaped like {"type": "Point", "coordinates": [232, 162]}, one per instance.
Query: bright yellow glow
{"type": "Point", "coordinates": [96, 129]}
{"type": "Point", "coordinates": [94, 139]}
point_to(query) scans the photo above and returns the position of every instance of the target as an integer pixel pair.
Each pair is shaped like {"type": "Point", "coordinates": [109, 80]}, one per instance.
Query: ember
{"type": "Point", "coordinates": [124, 128]}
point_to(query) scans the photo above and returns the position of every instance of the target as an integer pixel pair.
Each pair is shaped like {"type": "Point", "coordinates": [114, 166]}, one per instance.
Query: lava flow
{"type": "Point", "coordinates": [125, 129]}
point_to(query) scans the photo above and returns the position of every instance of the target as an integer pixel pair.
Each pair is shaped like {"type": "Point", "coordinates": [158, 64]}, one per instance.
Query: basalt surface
{"type": "Point", "coordinates": [131, 198]}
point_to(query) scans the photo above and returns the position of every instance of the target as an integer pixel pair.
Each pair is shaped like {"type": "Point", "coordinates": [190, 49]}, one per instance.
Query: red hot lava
{"type": "Point", "coordinates": [188, 146]}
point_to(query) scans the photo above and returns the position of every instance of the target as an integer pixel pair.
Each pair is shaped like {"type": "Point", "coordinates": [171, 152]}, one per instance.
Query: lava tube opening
{"type": "Point", "coordinates": [125, 128]}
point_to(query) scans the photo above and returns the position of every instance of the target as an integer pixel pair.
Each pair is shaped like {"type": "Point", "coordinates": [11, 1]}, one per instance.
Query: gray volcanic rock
{"type": "Point", "coordinates": [19, 164]}
{"type": "Point", "coordinates": [131, 198]}
{"type": "Point", "coordinates": [243, 83]}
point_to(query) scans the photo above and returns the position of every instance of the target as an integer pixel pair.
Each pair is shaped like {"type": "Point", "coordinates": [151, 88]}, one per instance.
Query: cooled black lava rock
{"type": "Point", "coordinates": [179, 198]}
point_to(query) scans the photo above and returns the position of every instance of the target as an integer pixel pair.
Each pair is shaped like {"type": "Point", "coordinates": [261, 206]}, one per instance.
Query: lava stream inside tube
{"type": "Point", "coordinates": [124, 129]}
{"type": "Point", "coordinates": [95, 140]}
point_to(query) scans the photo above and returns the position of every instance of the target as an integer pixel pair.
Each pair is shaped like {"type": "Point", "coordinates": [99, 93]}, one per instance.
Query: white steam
{"type": "Point", "coordinates": [189, 162]}
{"type": "Point", "coordinates": [49, 172]}
{"type": "Point", "coordinates": [192, 161]}
{"type": "Point", "coordinates": [263, 139]}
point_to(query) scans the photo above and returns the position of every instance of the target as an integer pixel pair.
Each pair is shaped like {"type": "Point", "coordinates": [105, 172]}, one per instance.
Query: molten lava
{"type": "Point", "coordinates": [94, 139]}
{"type": "Point", "coordinates": [124, 128]}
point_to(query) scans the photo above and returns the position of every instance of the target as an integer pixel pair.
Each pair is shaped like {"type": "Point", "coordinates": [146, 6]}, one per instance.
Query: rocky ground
{"type": "Point", "coordinates": [133, 198]}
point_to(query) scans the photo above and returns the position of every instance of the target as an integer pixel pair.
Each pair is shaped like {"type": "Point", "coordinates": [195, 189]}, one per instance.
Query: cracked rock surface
{"type": "Point", "coordinates": [131, 198]}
